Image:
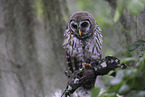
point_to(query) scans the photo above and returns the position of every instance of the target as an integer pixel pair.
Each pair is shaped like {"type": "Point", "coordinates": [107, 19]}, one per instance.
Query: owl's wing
{"type": "Point", "coordinates": [66, 45]}
{"type": "Point", "coordinates": [68, 59]}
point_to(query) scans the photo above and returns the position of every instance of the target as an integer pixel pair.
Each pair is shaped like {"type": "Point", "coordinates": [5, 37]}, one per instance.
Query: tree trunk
{"type": "Point", "coordinates": [31, 57]}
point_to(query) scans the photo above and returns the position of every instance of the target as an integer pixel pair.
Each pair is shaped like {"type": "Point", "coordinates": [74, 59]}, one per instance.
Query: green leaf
{"type": "Point", "coordinates": [114, 88]}
{"type": "Point", "coordinates": [130, 72]}
{"type": "Point", "coordinates": [106, 94]}
{"type": "Point", "coordinates": [137, 82]}
{"type": "Point", "coordinates": [142, 48]}
{"type": "Point", "coordinates": [123, 89]}
{"type": "Point", "coordinates": [118, 79]}
{"type": "Point", "coordinates": [136, 94]}
{"type": "Point", "coordinates": [136, 44]}
{"type": "Point", "coordinates": [115, 81]}
{"type": "Point", "coordinates": [95, 92]}
{"type": "Point", "coordinates": [140, 94]}
{"type": "Point", "coordinates": [125, 60]}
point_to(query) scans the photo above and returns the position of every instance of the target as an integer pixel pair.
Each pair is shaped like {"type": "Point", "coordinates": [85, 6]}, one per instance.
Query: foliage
{"type": "Point", "coordinates": [132, 6]}
{"type": "Point", "coordinates": [129, 82]}
{"type": "Point", "coordinates": [137, 44]}
{"type": "Point", "coordinates": [95, 92]}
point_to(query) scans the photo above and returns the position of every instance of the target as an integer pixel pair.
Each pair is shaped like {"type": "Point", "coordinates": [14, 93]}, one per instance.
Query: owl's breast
{"type": "Point", "coordinates": [73, 46]}
{"type": "Point", "coordinates": [92, 50]}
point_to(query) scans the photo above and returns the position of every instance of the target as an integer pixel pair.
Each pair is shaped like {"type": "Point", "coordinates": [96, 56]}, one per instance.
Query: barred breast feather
{"type": "Point", "coordinates": [89, 48]}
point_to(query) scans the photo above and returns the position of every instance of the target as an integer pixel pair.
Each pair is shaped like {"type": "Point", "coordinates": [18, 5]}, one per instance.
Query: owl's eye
{"type": "Point", "coordinates": [74, 26]}
{"type": "Point", "coordinates": [84, 24]}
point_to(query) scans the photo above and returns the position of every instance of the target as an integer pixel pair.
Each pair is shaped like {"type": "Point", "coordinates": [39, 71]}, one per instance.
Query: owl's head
{"type": "Point", "coordinates": [82, 24]}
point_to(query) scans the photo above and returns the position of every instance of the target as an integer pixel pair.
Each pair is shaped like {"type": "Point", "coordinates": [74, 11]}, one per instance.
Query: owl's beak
{"type": "Point", "coordinates": [79, 32]}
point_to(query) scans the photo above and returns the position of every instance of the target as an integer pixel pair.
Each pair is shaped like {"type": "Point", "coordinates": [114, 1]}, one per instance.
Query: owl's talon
{"type": "Point", "coordinates": [84, 65]}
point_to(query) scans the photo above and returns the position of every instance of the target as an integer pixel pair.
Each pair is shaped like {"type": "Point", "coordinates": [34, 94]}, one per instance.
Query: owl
{"type": "Point", "coordinates": [82, 40]}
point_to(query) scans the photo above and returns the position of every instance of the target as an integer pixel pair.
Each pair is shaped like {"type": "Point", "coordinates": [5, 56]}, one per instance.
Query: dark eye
{"type": "Point", "coordinates": [84, 24]}
{"type": "Point", "coordinates": [74, 26]}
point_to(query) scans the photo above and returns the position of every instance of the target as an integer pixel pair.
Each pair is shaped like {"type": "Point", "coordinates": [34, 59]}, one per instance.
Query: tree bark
{"type": "Point", "coordinates": [31, 56]}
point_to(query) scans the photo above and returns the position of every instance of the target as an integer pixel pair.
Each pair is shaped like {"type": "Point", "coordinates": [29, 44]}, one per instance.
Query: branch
{"type": "Point", "coordinates": [86, 76]}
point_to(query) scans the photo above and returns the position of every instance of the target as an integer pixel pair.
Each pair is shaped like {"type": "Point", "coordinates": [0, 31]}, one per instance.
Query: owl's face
{"type": "Point", "coordinates": [81, 29]}
{"type": "Point", "coordinates": [81, 25]}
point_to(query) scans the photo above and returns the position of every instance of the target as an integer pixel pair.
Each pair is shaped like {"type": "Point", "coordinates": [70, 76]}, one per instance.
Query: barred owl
{"type": "Point", "coordinates": [82, 40]}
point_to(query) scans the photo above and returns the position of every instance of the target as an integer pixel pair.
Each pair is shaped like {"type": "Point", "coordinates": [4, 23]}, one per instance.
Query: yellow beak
{"type": "Point", "coordinates": [79, 32]}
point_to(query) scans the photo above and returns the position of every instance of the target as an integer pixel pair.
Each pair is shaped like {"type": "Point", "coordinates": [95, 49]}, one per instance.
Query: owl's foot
{"type": "Point", "coordinates": [86, 65]}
